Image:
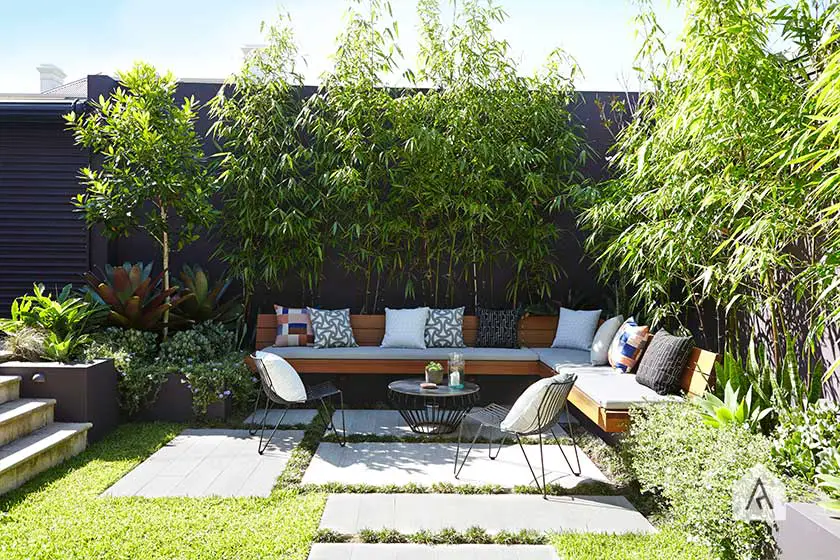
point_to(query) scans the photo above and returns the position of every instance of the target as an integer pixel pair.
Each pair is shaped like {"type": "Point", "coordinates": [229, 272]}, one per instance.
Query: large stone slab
{"type": "Point", "coordinates": [428, 463]}
{"type": "Point", "coordinates": [390, 423]}
{"type": "Point", "coordinates": [293, 417]}
{"type": "Point", "coordinates": [361, 551]}
{"type": "Point", "coordinates": [409, 513]}
{"type": "Point", "coordinates": [210, 462]}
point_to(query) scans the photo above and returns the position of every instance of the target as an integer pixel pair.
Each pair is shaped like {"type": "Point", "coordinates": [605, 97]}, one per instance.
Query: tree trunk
{"type": "Point", "coordinates": [165, 258]}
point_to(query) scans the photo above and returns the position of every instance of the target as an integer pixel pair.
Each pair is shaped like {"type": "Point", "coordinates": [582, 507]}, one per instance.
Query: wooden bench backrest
{"type": "Point", "coordinates": [534, 331]}
{"type": "Point", "coordinates": [699, 373]}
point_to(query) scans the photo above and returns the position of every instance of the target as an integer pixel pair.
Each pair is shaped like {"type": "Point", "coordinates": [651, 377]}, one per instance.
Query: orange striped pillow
{"type": "Point", "coordinates": [627, 346]}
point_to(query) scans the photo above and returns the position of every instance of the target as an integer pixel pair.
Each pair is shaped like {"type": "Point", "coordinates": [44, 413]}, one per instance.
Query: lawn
{"type": "Point", "coordinates": [59, 515]}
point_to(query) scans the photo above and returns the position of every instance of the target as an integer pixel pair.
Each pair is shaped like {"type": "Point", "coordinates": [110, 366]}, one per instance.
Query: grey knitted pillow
{"type": "Point", "coordinates": [663, 362]}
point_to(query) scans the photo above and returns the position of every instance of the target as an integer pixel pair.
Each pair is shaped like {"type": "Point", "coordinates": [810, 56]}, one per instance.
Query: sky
{"type": "Point", "coordinates": [201, 40]}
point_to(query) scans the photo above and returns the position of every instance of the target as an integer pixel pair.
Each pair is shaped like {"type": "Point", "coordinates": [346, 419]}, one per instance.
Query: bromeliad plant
{"type": "Point", "coordinates": [732, 410]}
{"type": "Point", "coordinates": [200, 299]}
{"type": "Point", "coordinates": [61, 325]}
{"type": "Point", "coordinates": [135, 298]}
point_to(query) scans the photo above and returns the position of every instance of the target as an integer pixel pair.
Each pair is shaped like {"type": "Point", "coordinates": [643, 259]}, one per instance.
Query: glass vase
{"type": "Point", "coordinates": [456, 370]}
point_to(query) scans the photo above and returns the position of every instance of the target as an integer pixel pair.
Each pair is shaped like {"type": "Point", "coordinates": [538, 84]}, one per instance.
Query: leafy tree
{"type": "Point", "coordinates": [272, 223]}
{"type": "Point", "coordinates": [700, 211]}
{"type": "Point", "coordinates": [151, 174]}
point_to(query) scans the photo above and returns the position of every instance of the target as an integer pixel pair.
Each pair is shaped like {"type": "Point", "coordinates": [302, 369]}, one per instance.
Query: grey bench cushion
{"type": "Point", "coordinates": [378, 353]}
{"type": "Point", "coordinates": [563, 357]}
{"type": "Point", "coordinates": [615, 391]}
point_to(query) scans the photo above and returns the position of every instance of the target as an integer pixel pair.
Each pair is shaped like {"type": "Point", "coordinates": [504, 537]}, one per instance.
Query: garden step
{"type": "Point", "coordinates": [350, 514]}
{"type": "Point", "coordinates": [24, 458]}
{"type": "Point", "coordinates": [9, 387]}
{"type": "Point", "coordinates": [23, 416]}
{"type": "Point", "coordinates": [350, 551]}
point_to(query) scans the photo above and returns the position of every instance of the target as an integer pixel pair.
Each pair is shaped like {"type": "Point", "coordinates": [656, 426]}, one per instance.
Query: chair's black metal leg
{"type": "Point", "coordinates": [542, 466]}
{"type": "Point", "coordinates": [261, 448]}
{"type": "Point", "coordinates": [467, 454]}
{"type": "Point", "coordinates": [533, 474]}
{"type": "Point", "coordinates": [458, 448]}
{"type": "Point", "coordinates": [343, 440]}
{"type": "Point", "coordinates": [574, 445]}
{"type": "Point", "coordinates": [254, 427]}
{"type": "Point", "coordinates": [498, 450]}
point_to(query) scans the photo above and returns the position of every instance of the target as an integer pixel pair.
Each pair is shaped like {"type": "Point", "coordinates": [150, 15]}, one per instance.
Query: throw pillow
{"type": "Point", "coordinates": [404, 328]}
{"type": "Point", "coordinates": [293, 326]}
{"type": "Point", "coordinates": [332, 328]}
{"type": "Point", "coordinates": [523, 414]}
{"type": "Point", "coordinates": [627, 345]}
{"type": "Point", "coordinates": [285, 380]}
{"type": "Point", "coordinates": [603, 337]}
{"type": "Point", "coordinates": [575, 329]}
{"type": "Point", "coordinates": [445, 328]}
{"type": "Point", "coordinates": [664, 361]}
{"type": "Point", "coordinates": [497, 328]}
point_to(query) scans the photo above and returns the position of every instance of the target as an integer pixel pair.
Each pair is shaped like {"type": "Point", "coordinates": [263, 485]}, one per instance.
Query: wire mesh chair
{"type": "Point", "coordinates": [314, 393]}
{"type": "Point", "coordinates": [553, 403]}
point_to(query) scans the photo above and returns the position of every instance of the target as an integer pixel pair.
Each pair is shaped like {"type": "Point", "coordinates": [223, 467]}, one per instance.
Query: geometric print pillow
{"type": "Point", "coordinates": [445, 328]}
{"type": "Point", "coordinates": [293, 327]}
{"type": "Point", "coordinates": [627, 345]}
{"type": "Point", "coordinates": [497, 328]}
{"type": "Point", "coordinates": [332, 328]}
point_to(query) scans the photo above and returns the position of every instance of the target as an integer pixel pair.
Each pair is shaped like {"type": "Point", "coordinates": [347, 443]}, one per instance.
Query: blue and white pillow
{"type": "Point", "coordinates": [332, 328]}
{"type": "Point", "coordinates": [627, 346]}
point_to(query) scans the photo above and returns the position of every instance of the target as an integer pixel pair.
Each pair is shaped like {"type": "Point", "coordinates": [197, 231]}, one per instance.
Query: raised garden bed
{"type": "Point", "coordinates": [174, 403]}
{"type": "Point", "coordinates": [84, 392]}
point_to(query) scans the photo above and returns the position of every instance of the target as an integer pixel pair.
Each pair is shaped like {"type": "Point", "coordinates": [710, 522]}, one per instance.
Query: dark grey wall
{"type": "Point", "coordinates": [41, 238]}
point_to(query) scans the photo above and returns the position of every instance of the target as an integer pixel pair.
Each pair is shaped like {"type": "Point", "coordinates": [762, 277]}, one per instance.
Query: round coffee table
{"type": "Point", "coordinates": [432, 411]}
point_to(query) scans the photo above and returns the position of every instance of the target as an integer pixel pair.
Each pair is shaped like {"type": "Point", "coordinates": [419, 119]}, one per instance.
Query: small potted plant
{"type": "Point", "coordinates": [434, 373]}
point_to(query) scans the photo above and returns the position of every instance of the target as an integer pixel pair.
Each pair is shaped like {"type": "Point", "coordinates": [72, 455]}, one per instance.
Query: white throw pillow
{"type": "Point", "coordinates": [523, 414]}
{"type": "Point", "coordinates": [575, 329]}
{"type": "Point", "coordinates": [405, 328]}
{"type": "Point", "coordinates": [284, 378]}
{"type": "Point", "coordinates": [603, 338]}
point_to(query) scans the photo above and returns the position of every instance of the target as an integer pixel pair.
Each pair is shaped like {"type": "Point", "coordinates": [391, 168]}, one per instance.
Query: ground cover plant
{"type": "Point", "coordinates": [60, 514]}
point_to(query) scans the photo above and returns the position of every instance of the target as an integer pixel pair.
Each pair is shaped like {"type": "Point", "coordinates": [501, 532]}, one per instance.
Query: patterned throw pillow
{"type": "Point", "coordinates": [627, 346]}
{"type": "Point", "coordinates": [445, 328]}
{"type": "Point", "coordinates": [576, 329]}
{"type": "Point", "coordinates": [498, 328]}
{"type": "Point", "coordinates": [293, 326]}
{"type": "Point", "coordinates": [332, 328]}
{"type": "Point", "coordinates": [664, 361]}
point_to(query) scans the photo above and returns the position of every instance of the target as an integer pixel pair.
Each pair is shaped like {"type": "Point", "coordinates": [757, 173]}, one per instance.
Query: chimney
{"type": "Point", "coordinates": [51, 77]}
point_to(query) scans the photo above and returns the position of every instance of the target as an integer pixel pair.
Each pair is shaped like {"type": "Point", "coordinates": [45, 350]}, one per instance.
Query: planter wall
{"type": "Point", "coordinates": [174, 403]}
{"type": "Point", "coordinates": [808, 532]}
{"type": "Point", "coordinates": [85, 392]}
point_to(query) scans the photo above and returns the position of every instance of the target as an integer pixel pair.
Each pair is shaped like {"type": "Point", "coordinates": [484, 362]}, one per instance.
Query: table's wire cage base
{"type": "Point", "coordinates": [432, 415]}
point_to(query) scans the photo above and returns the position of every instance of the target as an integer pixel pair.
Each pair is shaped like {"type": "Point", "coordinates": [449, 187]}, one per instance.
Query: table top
{"type": "Point", "coordinates": [412, 387]}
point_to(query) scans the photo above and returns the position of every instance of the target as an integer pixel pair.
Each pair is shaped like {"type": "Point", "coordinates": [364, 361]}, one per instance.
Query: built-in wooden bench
{"type": "Point", "coordinates": [535, 332]}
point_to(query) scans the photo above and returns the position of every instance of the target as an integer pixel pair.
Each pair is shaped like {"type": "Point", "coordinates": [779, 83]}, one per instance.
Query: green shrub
{"type": "Point", "coordinates": [806, 441]}
{"type": "Point", "coordinates": [691, 468]}
{"type": "Point", "coordinates": [134, 354]}
{"type": "Point", "coordinates": [206, 342]}
{"type": "Point", "coordinates": [225, 377]}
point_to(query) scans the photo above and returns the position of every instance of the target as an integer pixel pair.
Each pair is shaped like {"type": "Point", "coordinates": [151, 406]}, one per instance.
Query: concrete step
{"type": "Point", "coordinates": [352, 551]}
{"type": "Point", "coordinates": [23, 416]}
{"type": "Point", "coordinates": [24, 458]}
{"type": "Point", "coordinates": [9, 387]}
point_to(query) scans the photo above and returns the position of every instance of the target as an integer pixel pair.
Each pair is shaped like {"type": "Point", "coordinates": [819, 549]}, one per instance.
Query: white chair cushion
{"type": "Point", "coordinates": [599, 355]}
{"type": "Point", "coordinates": [284, 379]}
{"type": "Point", "coordinates": [575, 329]}
{"type": "Point", "coordinates": [612, 390]}
{"type": "Point", "coordinates": [523, 413]}
{"type": "Point", "coordinates": [405, 328]}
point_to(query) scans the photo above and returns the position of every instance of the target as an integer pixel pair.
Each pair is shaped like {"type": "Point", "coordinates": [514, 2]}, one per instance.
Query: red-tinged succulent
{"type": "Point", "coordinates": [206, 302]}
{"type": "Point", "coordinates": [136, 299]}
